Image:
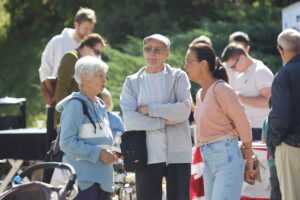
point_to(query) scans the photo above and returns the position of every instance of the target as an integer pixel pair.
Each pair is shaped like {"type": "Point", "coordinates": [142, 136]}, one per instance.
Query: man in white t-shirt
{"type": "Point", "coordinates": [252, 81]}
{"type": "Point", "coordinates": [68, 40]}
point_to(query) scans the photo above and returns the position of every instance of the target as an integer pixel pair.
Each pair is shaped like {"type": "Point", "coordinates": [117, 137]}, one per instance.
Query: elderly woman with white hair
{"type": "Point", "coordinates": [86, 142]}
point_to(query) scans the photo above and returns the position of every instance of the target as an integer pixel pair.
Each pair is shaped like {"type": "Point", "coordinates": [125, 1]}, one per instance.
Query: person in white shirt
{"type": "Point", "coordinates": [252, 81]}
{"type": "Point", "coordinates": [68, 40]}
{"type": "Point", "coordinates": [242, 39]}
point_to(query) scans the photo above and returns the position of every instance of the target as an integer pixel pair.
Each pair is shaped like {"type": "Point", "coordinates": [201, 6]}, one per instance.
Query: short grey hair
{"type": "Point", "coordinates": [88, 65]}
{"type": "Point", "coordinates": [289, 40]}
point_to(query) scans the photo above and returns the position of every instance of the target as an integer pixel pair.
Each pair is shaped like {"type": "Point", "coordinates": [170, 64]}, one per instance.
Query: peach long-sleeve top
{"type": "Point", "coordinates": [221, 113]}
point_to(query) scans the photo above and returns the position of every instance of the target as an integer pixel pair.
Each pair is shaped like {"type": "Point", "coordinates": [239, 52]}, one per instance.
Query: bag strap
{"type": "Point", "coordinates": [231, 121]}
{"type": "Point", "coordinates": [85, 111]}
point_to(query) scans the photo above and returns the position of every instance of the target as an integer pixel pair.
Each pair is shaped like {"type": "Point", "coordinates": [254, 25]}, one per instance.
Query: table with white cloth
{"type": "Point", "coordinates": [258, 191]}
{"type": "Point", "coordinates": [17, 145]}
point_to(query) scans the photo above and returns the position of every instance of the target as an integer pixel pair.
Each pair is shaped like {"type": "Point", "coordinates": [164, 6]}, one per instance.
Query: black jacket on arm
{"type": "Point", "coordinates": [284, 117]}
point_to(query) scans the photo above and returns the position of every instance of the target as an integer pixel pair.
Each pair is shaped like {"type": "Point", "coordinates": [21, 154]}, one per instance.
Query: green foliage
{"type": "Point", "coordinates": [141, 18]}
{"type": "Point", "coordinates": [226, 21]}
{"type": "Point", "coordinates": [120, 66]}
{"type": "Point", "coordinates": [133, 46]}
{"type": "Point", "coordinates": [4, 20]}
{"type": "Point", "coordinates": [19, 72]}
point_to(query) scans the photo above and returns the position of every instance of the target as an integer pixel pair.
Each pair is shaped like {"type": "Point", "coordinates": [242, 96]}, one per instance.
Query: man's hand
{"type": "Point", "coordinates": [107, 157]}
{"type": "Point", "coordinates": [168, 122]}
{"type": "Point", "coordinates": [143, 110]}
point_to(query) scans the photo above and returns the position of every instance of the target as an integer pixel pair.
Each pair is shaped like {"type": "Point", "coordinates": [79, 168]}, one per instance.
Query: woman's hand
{"type": "Point", "coordinates": [107, 157]}
{"type": "Point", "coordinates": [251, 170]}
{"type": "Point", "coordinates": [251, 165]}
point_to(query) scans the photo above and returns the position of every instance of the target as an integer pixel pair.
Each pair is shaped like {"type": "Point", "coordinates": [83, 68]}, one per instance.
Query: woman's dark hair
{"type": "Point", "coordinates": [92, 40]}
{"type": "Point", "coordinates": [206, 52]}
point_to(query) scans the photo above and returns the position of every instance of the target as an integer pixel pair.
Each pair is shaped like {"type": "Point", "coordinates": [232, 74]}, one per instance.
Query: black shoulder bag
{"type": "Point", "coordinates": [134, 149]}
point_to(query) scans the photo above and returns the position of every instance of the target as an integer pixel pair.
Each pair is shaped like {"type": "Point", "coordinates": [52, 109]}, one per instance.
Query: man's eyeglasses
{"type": "Point", "coordinates": [235, 63]}
{"type": "Point", "coordinates": [154, 50]}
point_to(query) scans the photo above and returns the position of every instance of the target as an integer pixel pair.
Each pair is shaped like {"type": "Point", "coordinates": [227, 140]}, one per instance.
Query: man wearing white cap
{"type": "Point", "coordinates": [157, 99]}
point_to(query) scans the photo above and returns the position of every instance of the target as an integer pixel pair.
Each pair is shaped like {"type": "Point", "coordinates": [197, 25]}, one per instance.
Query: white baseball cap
{"type": "Point", "coordinates": [159, 38]}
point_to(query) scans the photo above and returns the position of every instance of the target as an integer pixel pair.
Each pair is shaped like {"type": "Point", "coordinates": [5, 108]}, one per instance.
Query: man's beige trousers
{"type": "Point", "coordinates": [287, 161]}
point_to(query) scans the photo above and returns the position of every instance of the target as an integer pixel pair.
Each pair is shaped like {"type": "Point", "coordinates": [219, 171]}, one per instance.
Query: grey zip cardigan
{"type": "Point", "coordinates": [176, 107]}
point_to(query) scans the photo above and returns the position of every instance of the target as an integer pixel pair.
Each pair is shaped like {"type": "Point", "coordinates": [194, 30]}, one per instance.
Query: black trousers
{"type": "Point", "coordinates": [149, 181]}
{"type": "Point", "coordinates": [51, 132]}
{"type": "Point", "coordinates": [275, 189]}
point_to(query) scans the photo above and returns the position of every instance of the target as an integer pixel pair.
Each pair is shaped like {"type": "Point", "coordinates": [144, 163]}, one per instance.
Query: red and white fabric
{"type": "Point", "coordinates": [197, 185]}
{"type": "Point", "coordinates": [258, 191]}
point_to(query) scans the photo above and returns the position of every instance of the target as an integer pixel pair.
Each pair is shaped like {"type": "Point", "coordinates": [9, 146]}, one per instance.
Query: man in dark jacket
{"type": "Point", "coordinates": [284, 118]}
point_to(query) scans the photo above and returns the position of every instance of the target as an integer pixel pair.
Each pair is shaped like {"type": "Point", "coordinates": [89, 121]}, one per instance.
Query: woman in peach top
{"type": "Point", "coordinates": [221, 120]}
